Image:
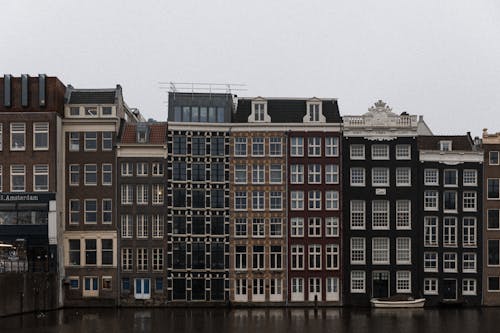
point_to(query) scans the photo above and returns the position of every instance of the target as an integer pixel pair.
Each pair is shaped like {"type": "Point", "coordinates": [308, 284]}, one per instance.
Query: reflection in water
{"type": "Point", "coordinates": [267, 320]}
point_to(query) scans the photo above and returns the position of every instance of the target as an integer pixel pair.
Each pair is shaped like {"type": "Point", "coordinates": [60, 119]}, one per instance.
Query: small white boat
{"type": "Point", "coordinates": [409, 303]}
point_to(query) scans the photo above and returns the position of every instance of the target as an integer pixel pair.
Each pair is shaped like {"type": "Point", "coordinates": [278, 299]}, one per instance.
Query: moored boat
{"type": "Point", "coordinates": [388, 303]}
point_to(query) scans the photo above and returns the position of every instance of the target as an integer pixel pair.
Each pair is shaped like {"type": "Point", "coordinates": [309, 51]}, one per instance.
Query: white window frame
{"type": "Point", "coordinates": [403, 152]}
{"type": "Point", "coordinates": [357, 152]}
{"type": "Point", "coordinates": [380, 152]}
{"type": "Point", "coordinates": [403, 177]}
{"type": "Point", "coordinates": [403, 251]}
{"type": "Point", "coordinates": [240, 146]}
{"type": "Point", "coordinates": [296, 146]}
{"type": "Point", "coordinates": [331, 146]}
{"type": "Point", "coordinates": [450, 258]}
{"type": "Point", "coordinates": [314, 200]}
{"type": "Point", "coordinates": [275, 200]}
{"type": "Point", "coordinates": [314, 226]}
{"type": "Point", "coordinates": [469, 177]}
{"type": "Point", "coordinates": [314, 253]}
{"type": "Point", "coordinates": [87, 171]}
{"type": "Point", "coordinates": [107, 211]}
{"type": "Point", "coordinates": [297, 174]}
{"type": "Point", "coordinates": [469, 199]}
{"type": "Point", "coordinates": [314, 146]}
{"type": "Point", "coordinates": [403, 282]}
{"type": "Point", "coordinates": [380, 215]}
{"type": "Point", "coordinates": [431, 200]}
{"type": "Point", "coordinates": [431, 286]}
{"type": "Point", "coordinates": [41, 170]}
{"type": "Point", "coordinates": [469, 232]}
{"type": "Point", "coordinates": [258, 142]}
{"type": "Point", "coordinates": [15, 171]}
{"type": "Point", "coordinates": [450, 231]}
{"type": "Point", "coordinates": [40, 128]}
{"type": "Point", "coordinates": [314, 173]}
{"type": "Point", "coordinates": [275, 169]}
{"type": "Point", "coordinates": [240, 170]}
{"type": "Point", "coordinates": [431, 177]}
{"type": "Point", "coordinates": [297, 227]}
{"type": "Point", "coordinates": [380, 177]}
{"type": "Point", "coordinates": [297, 200]}
{"type": "Point", "coordinates": [431, 227]}
{"type": "Point", "coordinates": [357, 177]}
{"type": "Point", "coordinates": [431, 262]}
{"type": "Point", "coordinates": [380, 251]}
{"type": "Point", "coordinates": [469, 262]}
{"type": "Point", "coordinates": [360, 214]}
{"type": "Point", "coordinates": [332, 201]}
{"type": "Point", "coordinates": [331, 226]}
{"type": "Point", "coordinates": [127, 226]}
{"type": "Point", "coordinates": [358, 251]}
{"type": "Point", "coordinates": [358, 282]}
{"type": "Point", "coordinates": [403, 214]}
{"type": "Point", "coordinates": [275, 146]}
{"type": "Point", "coordinates": [20, 129]}
{"type": "Point", "coordinates": [331, 174]}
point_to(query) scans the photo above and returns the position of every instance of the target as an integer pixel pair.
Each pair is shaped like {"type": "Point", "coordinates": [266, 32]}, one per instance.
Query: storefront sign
{"type": "Point", "coordinates": [27, 197]}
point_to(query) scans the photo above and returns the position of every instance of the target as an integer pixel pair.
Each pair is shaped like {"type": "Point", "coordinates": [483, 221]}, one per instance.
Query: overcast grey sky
{"type": "Point", "coordinates": [439, 58]}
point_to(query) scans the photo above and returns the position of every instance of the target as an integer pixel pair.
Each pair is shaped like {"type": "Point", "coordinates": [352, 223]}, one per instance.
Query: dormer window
{"type": "Point", "coordinates": [91, 111]}
{"type": "Point", "coordinates": [74, 111]}
{"type": "Point", "coordinates": [445, 145]}
{"type": "Point", "coordinates": [259, 111]}
{"type": "Point", "coordinates": [107, 110]}
{"type": "Point", "coordinates": [142, 134]}
{"type": "Point", "coordinates": [314, 112]}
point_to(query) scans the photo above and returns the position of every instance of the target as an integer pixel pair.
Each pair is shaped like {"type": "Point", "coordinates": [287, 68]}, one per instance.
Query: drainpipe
{"type": "Point", "coordinates": [286, 217]}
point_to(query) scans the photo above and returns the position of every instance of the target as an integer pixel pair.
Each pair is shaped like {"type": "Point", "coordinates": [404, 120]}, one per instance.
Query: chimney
{"type": "Point", "coordinates": [41, 89]}
{"type": "Point", "coordinates": [7, 90]}
{"type": "Point", "coordinates": [24, 89]}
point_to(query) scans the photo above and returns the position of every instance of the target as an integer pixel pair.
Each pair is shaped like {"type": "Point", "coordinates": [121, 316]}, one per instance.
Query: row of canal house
{"type": "Point", "coordinates": [243, 200]}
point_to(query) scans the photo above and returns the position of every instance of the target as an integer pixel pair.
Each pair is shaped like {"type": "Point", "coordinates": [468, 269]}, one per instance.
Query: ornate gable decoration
{"type": "Point", "coordinates": [381, 122]}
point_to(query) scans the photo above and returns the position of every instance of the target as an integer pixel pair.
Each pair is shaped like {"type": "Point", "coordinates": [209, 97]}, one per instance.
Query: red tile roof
{"type": "Point", "coordinates": [157, 133]}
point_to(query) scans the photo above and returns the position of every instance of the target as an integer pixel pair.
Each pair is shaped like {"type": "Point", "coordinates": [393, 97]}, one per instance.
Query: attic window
{"type": "Point", "coordinates": [314, 112]}
{"type": "Point", "coordinates": [445, 145]}
{"type": "Point", "coordinates": [259, 111]}
{"type": "Point", "coordinates": [91, 111]}
{"type": "Point", "coordinates": [142, 134]}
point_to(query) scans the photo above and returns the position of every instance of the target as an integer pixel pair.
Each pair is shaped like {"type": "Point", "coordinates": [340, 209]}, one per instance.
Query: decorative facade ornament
{"type": "Point", "coordinates": [380, 106]}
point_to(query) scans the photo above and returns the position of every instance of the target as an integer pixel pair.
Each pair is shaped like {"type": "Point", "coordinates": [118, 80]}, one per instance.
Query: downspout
{"type": "Point", "coordinates": [286, 216]}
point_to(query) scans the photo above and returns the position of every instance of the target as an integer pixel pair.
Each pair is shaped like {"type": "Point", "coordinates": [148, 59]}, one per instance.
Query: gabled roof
{"type": "Point", "coordinates": [157, 133]}
{"type": "Point", "coordinates": [458, 142]}
{"type": "Point", "coordinates": [286, 110]}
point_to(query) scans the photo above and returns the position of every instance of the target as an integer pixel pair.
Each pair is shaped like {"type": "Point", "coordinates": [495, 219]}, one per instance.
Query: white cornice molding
{"type": "Point", "coordinates": [145, 150]}
{"type": "Point", "coordinates": [451, 158]}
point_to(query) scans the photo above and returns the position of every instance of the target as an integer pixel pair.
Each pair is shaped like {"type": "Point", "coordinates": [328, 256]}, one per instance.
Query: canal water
{"type": "Point", "coordinates": [480, 320]}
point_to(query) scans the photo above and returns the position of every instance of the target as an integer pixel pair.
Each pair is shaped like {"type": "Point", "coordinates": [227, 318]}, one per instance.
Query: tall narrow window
{"type": "Point", "coordinates": [40, 177]}
{"type": "Point", "coordinates": [331, 146]}
{"type": "Point", "coordinates": [240, 146]}
{"type": "Point", "coordinates": [74, 174]}
{"type": "Point", "coordinates": [275, 148]}
{"type": "Point", "coordinates": [90, 141]}
{"type": "Point", "coordinates": [107, 141]}
{"type": "Point", "coordinates": [74, 141]}
{"type": "Point", "coordinates": [297, 146]}
{"type": "Point", "coordinates": [259, 111]}
{"type": "Point", "coordinates": [74, 211]}
{"type": "Point", "coordinates": [40, 136]}
{"type": "Point", "coordinates": [90, 211]}
{"type": "Point", "coordinates": [17, 178]}
{"type": "Point", "coordinates": [314, 146]}
{"type": "Point", "coordinates": [107, 212]}
{"type": "Point", "coordinates": [107, 174]}
{"type": "Point", "coordinates": [17, 136]}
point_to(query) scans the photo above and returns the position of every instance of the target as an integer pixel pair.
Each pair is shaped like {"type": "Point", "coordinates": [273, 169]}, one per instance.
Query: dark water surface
{"type": "Point", "coordinates": [257, 320]}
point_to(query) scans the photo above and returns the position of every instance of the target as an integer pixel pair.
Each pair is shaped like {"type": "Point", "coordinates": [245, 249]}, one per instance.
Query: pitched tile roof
{"type": "Point", "coordinates": [157, 133]}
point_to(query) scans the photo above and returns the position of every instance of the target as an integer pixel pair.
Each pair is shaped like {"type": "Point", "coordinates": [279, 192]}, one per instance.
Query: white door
{"type": "Point", "coordinates": [332, 289]}
{"type": "Point", "coordinates": [258, 294]}
{"type": "Point", "coordinates": [314, 289]}
{"type": "Point", "coordinates": [240, 290]}
{"type": "Point", "coordinates": [276, 294]}
{"type": "Point", "coordinates": [297, 290]}
{"type": "Point", "coordinates": [90, 286]}
{"type": "Point", "coordinates": [142, 289]}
